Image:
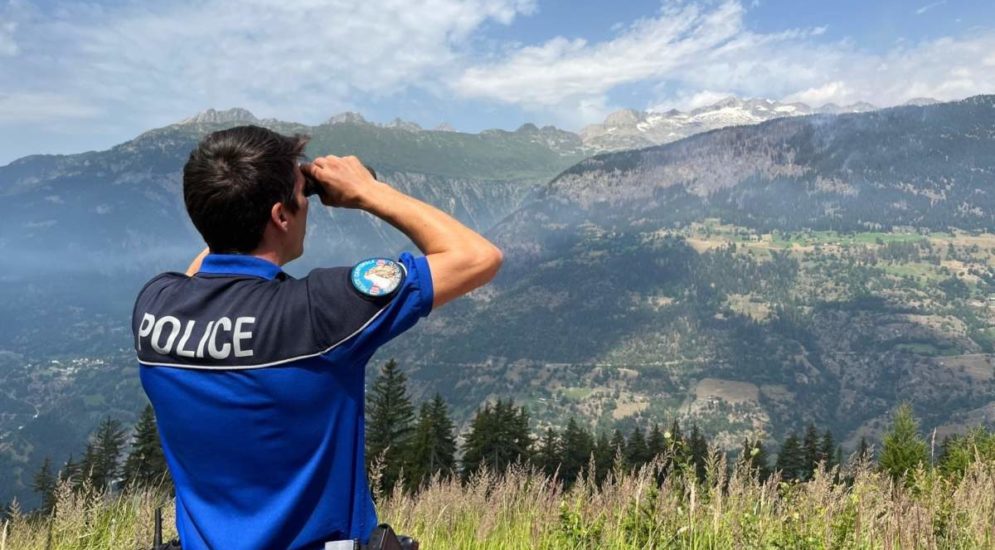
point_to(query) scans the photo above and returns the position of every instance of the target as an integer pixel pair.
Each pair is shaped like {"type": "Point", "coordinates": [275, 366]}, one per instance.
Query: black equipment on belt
{"type": "Point", "coordinates": [157, 535]}
{"type": "Point", "coordinates": [384, 538]}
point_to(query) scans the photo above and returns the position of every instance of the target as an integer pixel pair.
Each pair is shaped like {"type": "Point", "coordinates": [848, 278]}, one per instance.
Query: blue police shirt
{"type": "Point", "coordinates": [257, 381]}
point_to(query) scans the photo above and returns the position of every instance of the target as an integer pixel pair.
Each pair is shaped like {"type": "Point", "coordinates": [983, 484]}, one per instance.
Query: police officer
{"type": "Point", "coordinates": [257, 378]}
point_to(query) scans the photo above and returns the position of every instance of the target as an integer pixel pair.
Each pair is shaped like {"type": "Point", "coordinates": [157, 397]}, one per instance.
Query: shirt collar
{"type": "Point", "coordinates": [239, 264]}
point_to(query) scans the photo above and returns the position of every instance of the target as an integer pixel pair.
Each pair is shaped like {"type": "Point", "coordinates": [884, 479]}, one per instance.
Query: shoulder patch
{"type": "Point", "coordinates": [377, 276]}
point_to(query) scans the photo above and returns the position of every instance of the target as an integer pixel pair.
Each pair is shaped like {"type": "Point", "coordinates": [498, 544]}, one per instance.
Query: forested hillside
{"type": "Point", "coordinates": [753, 278]}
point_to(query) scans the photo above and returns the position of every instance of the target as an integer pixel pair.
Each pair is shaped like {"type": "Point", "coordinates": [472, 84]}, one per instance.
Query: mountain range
{"type": "Point", "coordinates": [791, 266]}
{"type": "Point", "coordinates": [621, 130]}
{"type": "Point", "coordinates": [816, 268]}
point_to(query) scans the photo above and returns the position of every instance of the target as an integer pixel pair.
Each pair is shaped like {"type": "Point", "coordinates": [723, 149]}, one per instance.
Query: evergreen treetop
{"type": "Point", "coordinates": [578, 444]}
{"type": "Point", "coordinates": [389, 423]}
{"type": "Point", "coordinates": [811, 451]}
{"type": "Point", "coordinates": [656, 443]}
{"type": "Point", "coordinates": [105, 455]}
{"type": "Point", "coordinates": [791, 460]}
{"type": "Point", "coordinates": [636, 451]}
{"type": "Point", "coordinates": [146, 464]}
{"type": "Point", "coordinates": [434, 446]}
{"type": "Point", "coordinates": [698, 452]}
{"type": "Point", "coordinates": [498, 437]}
{"type": "Point", "coordinates": [44, 484]}
{"type": "Point", "coordinates": [903, 449]}
{"type": "Point", "coordinates": [548, 452]}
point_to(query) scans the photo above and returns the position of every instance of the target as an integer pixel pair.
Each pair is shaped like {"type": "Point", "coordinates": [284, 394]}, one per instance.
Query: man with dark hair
{"type": "Point", "coordinates": [233, 179]}
{"type": "Point", "coordinates": [257, 378]}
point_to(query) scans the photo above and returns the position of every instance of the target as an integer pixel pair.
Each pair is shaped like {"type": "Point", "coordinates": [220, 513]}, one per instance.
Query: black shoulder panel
{"type": "Point", "coordinates": [225, 322]}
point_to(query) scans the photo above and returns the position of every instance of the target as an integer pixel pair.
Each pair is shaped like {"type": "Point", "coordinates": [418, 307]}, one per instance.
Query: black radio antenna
{"type": "Point", "coordinates": [157, 535]}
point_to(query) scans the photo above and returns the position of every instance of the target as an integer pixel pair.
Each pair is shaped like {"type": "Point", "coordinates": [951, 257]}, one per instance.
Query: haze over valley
{"type": "Point", "coordinates": [747, 278]}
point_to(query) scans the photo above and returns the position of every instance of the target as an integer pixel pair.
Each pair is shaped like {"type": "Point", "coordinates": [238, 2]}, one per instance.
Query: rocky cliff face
{"type": "Point", "coordinates": [921, 166]}
{"type": "Point", "coordinates": [229, 116]}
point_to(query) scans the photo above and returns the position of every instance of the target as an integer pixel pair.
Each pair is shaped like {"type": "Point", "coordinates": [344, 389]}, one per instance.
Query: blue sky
{"type": "Point", "coordinates": [81, 76]}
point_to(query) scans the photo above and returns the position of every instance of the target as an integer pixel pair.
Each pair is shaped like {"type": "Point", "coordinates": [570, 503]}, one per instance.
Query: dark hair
{"type": "Point", "coordinates": [232, 180]}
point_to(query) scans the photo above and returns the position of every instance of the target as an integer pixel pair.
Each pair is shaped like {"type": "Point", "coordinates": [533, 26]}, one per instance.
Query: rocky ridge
{"type": "Point", "coordinates": [632, 129]}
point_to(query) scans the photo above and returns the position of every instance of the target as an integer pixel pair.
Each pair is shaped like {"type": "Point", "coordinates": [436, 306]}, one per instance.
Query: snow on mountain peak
{"type": "Point", "coordinates": [627, 129]}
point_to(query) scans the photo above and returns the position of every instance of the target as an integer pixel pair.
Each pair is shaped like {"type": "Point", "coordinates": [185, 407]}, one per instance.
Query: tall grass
{"type": "Point", "coordinates": [90, 520]}
{"type": "Point", "coordinates": [857, 507]}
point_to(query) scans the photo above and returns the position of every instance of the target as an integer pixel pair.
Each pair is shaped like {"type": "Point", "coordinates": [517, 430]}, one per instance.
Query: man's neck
{"type": "Point", "coordinates": [269, 255]}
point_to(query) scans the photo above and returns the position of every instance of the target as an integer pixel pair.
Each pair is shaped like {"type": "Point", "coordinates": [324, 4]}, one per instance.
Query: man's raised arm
{"type": "Point", "coordinates": [459, 258]}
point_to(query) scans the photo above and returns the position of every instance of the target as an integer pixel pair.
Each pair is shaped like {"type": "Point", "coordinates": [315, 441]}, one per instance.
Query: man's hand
{"type": "Point", "coordinates": [460, 259]}
{"type": "Point", "coordinates": [345, 181]}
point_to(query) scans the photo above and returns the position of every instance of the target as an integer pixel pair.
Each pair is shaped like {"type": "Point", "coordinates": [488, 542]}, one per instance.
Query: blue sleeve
{"type": "Point", "coordinates": [410, 302]}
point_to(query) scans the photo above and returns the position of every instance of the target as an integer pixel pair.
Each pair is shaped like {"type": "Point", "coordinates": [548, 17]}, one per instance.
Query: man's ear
{"type": "Point", "coordinates": [278, 215]}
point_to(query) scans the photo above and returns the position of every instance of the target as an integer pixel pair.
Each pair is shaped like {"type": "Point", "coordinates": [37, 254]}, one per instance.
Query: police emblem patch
{"type": "Point", "coordinates": [377, 276]}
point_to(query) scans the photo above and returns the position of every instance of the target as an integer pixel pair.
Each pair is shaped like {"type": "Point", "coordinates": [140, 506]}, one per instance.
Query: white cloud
{"type": "Point", "coordinates": [564, 70]}
{"type": "Point", "coordinates": [304, 59]}
{"type": "Point", "coordinates": [700, 53]}
{"type": "Point", "coordinates": [820, 95]}
{"type": "Point", "coordinates": [928, 7]}
{"type": "Point", "coordinates": [943, 69]}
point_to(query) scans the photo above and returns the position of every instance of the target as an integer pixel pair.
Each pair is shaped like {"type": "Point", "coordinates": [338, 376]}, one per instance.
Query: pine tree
{"type": "Point", "coordinates": [959, 452]}
{"type": "Point", "coordinates": [811, 451]}
{"type": "Point", "coordinates": [604, 455]}
{"type": "Point", "coordinates": [70, 472]}
{"type": "Point", "coordinates": [434, 446]}
{"type": "Point", "coordinates": [547, 455]}
{"type": "Point", "coordinates": [636, 452]}
{"type": "Point", "coordinates": [791, 460]}
{"type": "Point", "coordinates": [108, 443]}
{"type": "Point", "coordinates": [827, 450]}
{"type": "Point", "coordinates": [518, 433]}
{"type": "Point", "coordinates": [948, 448]}
{"type": "Point", "coordinates": [87, 466]}
{"type": "Point", "coordinates": [678, 453]}
{"type": "Point", "coordinates": [146, 464]}
{"type": "Point", "coordinates": [577, 448]}
{"type": "Point", "coordinates": [656, 444]}
{"type": "Point", "coordinates": [389, 424]}
{"type": "Point", "coordinates": [903, 449]}
{"type": "Point", "coordinates": [498, 437]}
{"type": "Point", "coordinates": [698, 447]}
{"type": "Point", "coordinates": [44, 484]}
